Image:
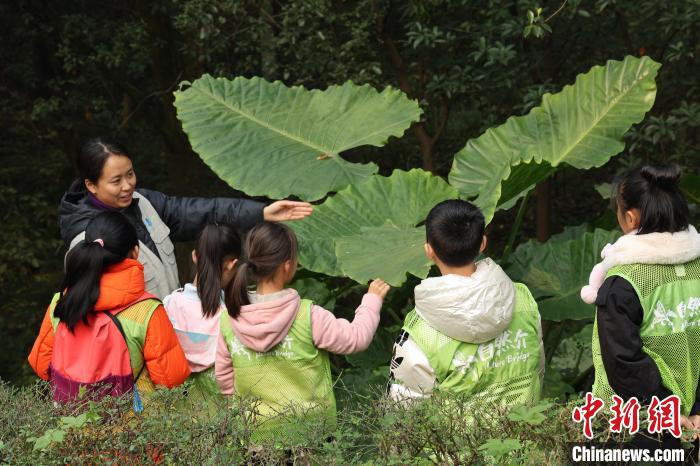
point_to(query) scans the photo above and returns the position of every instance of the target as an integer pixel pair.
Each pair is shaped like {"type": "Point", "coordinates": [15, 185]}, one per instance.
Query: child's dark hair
{"type": "Point", "coordinates": [215, 244]}
{"type": "Point", "coordinates": [109, 237]}
{"type": "Point", "coordinates": [655, 192]}
{"type": "Point", "coordinates": [454, 229]}
{"type": "Point", "coordinates": [266, 247]}
{"type": "Point", "coordinates": [94, 154]}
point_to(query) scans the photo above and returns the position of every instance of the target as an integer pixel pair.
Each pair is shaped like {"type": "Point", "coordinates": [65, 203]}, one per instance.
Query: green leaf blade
{"type": "Point", "coordinates": [556, 271]}
{"type": "Point", "coordinates": [581, 126]}
{"type": "Point", "coordinates": [358, 255]}
{"type": "Point", "coordinates": [268, 139]}
{"type": "Point", "coordinates": [377, 215]}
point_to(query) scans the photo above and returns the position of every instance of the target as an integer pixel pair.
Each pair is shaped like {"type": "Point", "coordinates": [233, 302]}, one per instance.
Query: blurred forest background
{"type": "Point", "coordinates": [73, 70]}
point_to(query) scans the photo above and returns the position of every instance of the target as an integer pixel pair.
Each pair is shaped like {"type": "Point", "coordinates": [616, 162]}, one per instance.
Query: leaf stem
{"type": "Point", "coordinates": [556, 12]}
{"type": "Point", "coordinates": [516, 228]}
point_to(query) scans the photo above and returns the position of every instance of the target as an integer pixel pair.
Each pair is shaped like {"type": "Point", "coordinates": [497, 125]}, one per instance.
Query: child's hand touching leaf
{"type": "Point", "coordinates": [379, 287]}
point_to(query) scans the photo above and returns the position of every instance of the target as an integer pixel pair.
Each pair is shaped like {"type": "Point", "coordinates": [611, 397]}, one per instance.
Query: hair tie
{"type": "Point", "coordinates": [100, 242]}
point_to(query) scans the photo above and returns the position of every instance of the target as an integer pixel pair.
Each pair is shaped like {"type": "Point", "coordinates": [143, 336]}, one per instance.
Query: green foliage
{"type": "Point", "coordinates": [537, 25]}
{"type": "Point", "coordinates": [556, 270]}
{"type": "Point", "coordinates": [530, 414]}
{"type": "Point", "coordinates": [173, 430]}
{"type": "Point", "coordinates": [581, 126]}
{"type": "Point", "coordinates": [498, 449]}
{"type": "Point", "coordinates": [444, 430]}
{"type": "Point", "coordinates": [268, 139]}
{"type": "Point", "coordinates": [378, 218]}
{"type": "Point", "coordinates": [315, 290]}
{"type": "Point", "coordinates": [110, 71]}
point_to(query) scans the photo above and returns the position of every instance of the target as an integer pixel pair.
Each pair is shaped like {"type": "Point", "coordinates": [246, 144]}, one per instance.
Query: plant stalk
{"type": "Point", "coordinates": [516, 228]}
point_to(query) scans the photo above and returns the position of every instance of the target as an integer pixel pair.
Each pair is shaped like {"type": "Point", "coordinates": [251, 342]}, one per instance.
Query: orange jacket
{"type": "Point", "coordinates": [120, 285]}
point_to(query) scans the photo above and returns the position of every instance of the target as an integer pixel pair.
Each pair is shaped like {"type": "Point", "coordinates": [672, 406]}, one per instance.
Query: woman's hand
{"type": "Point", "coordinates": [379, 287]}
{"type": "Point", "coordinates": [281, 211]}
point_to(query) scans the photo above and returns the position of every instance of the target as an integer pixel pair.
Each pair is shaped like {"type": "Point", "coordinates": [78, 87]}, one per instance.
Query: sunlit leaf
{"type": "Point", "coordinates": [372, 229]}
{"type": "Point", "coordinates": [267, 139]}
{"type": "Point", "coordinates": [581, 126]}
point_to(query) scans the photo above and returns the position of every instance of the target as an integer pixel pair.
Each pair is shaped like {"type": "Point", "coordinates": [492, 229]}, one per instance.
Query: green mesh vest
{"type": "Point", "coordinates": [134, 321]}
{"type": "Point", "coordinates": [670, 330]}
{"type": "Point", "coordinates": [204, 383]}
{"type": "Point", "coordinates": [292, 379]}
{"type": "Point", "coordinates": [506, 370]}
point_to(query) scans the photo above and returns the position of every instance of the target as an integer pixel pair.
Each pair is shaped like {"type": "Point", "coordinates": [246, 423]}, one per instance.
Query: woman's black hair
{"type": "Point", "coordinates": [267, 246]}
{"type": "Point", "coordinates": [216, 244]}
{"type": "Point", "coordinates": [109, 237]}
{"type": "Point", "coordinates": [93, 155]}
{"type": "Point", "coordinates": [654, 190]}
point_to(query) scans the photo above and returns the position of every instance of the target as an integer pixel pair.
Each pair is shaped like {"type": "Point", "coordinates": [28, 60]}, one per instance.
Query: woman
{"type": "Point", "coordinates": [103, 333]}
{"type": "Point", "coordinates": [108, 182]}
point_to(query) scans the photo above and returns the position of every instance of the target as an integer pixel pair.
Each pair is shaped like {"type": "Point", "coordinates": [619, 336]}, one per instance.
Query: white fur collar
{"type": "Point", "coordinates": [654, 248]}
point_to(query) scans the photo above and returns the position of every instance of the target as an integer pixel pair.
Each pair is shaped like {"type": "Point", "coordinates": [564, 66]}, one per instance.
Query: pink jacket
{"type": "Point", "coordinates": [196, 333]}
{"type": "Point", "coordinates": [260, 326]}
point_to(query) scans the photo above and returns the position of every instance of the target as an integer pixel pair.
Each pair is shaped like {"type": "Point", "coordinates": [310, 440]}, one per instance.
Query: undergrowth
{"type": "Point", "coordinates": [174, 429]}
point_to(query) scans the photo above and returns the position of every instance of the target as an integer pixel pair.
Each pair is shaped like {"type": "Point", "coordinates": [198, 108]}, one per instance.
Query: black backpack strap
{"type": "Point", "coordinates": [121, 330]}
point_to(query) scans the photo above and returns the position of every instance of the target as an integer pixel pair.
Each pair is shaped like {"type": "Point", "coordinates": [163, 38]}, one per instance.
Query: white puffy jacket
{"type": "Point", "coordinates": [472, 309]}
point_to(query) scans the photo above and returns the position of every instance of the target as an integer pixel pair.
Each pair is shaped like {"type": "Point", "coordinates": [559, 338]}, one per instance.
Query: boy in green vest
{"type": "Point", "coordinates": [473, 331]}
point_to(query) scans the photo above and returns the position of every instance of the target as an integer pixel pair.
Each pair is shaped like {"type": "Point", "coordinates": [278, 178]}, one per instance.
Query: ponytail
{"type": "Point", "coordinates": [109, 237]}
{"type": "Point", "coordinates": [237, 291]}
{"type": "Point", "coordinates": [267, 246]}
{"type": "Point", "coordinates": [215, 245]}
{"type": "Point", "coordinates": [655, 191]}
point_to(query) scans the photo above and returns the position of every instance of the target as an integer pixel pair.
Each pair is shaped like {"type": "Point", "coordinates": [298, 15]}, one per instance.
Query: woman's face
{"type": "Point", "coordinates": [116, 184]}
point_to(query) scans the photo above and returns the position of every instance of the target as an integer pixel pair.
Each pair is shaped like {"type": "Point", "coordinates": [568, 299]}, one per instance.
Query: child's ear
{"type": "Point", "coordinates": [289, 269]}
{"type": "Point", "coordinates": [429, 253]}
{"type": "Point", "coordinates": [229, 264]}
{"type": "Point", "coordinates": [484, 243]}
{"type": "Point", "coordinates": [134, 253]}
{"type": "Point", "coordinates": [632, 219]}
{"type": "Point", "coordinates": [194, 257]}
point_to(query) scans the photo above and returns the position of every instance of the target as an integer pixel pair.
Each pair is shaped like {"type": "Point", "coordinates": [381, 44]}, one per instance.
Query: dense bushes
{"type": "Point", "coordinates": [374, 430]}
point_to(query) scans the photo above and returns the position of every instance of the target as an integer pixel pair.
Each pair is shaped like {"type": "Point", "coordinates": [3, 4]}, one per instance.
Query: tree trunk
{"type": "Point", "coordinates": [426, 146]}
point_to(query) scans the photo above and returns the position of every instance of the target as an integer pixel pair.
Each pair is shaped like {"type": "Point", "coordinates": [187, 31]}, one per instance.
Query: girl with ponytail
{"type": "Point", "coordinates": [646, 337]}
{"type": "Point", "coordinates": [102, 329]}
{"type": "Point", "coordinates": [194, 310]}
{"type": "Point", "coordinates": [274, 344]}
{"type": "Point", "coordinates": [109, 239]}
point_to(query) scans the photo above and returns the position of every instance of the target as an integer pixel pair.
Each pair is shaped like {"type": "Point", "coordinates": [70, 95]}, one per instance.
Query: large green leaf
{"type": "Point", "coordinates": [267, 139]}
{"type": "Point", "coordinates": [556, 270]}
{"type": "Point", "coordinates": [370, 229]}
{"type": "Point", "coordinates": [401, 247]}
{"type": "Point", "coordinates": [582, 126]}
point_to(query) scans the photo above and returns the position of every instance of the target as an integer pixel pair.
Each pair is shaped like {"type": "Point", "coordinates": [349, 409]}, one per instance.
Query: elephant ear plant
{"type": "Point", "coordinates": [268, 139]}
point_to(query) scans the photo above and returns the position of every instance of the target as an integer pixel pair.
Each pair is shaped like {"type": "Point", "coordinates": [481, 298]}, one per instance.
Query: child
{"type": "Point", "coordinates": [646, 339]}
{"type": "Point", "coordinates": [103, 329]}
{"type": "Point", "coordinates": [195, 309]}
{"type": "Point", "coordinates": [274, 345]}
{"type": "Point", "coordinates": [473, 331]}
